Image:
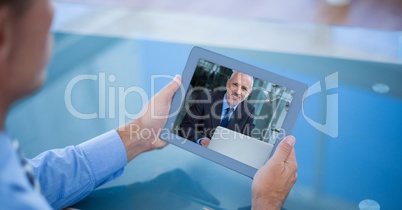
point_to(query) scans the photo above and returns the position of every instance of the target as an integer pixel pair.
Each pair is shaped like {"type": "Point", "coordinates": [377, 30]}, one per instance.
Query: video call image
{"type": "Point", "coordinates": [233, 113]}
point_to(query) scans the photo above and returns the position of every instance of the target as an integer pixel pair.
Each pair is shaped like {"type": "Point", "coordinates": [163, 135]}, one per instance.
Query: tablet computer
{"type": "Point", "coordinates": [231, 112]}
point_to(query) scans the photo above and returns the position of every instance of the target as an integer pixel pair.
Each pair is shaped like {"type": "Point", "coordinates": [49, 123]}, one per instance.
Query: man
{"type": "Point", "coordinates": [67, 175]}
{"type": "Point", "coordinates": [226, 108]}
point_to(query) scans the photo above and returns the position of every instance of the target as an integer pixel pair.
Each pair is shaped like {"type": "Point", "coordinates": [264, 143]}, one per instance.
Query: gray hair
{"type": "Point", "coordinates": [252, 78]}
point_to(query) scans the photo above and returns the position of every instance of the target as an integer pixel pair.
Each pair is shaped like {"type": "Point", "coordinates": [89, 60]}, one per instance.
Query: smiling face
{"type": "Point", "coordinates": [24, 48]}
{"type": "Point", "coordinates": [238, 88]}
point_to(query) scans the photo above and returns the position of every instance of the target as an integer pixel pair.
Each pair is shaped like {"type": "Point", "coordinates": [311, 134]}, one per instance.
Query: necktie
{"type": "Point", "coordinates": [225, 119]}
{"type": "Point", "coordinates": [25, 165]}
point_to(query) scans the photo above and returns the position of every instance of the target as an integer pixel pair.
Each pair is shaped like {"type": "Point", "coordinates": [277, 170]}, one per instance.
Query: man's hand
{"type": "Point", "coordinates": [273, 181]}
{"type": "Point", "coordinates": [205, 142]}
{"type": "Point", "coordinates": [142, 134]}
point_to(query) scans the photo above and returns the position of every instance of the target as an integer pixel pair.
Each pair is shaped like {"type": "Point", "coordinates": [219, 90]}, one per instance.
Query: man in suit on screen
{"type": "Point", "coordinates": [227, 108]}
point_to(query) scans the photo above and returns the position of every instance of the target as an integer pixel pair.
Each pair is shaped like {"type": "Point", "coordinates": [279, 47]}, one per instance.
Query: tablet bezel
{"type": "Point", "coordinates": [198, 53]}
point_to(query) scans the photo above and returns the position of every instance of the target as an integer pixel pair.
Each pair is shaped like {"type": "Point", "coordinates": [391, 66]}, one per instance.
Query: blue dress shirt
{"type": "Point", "coordinates": [65, 175]}
{"type": "Point", "coordinates": [225, 105]}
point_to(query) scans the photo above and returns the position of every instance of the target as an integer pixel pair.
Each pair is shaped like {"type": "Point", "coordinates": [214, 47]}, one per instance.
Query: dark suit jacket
{"type": "Point", "coordinates": [205, 115]}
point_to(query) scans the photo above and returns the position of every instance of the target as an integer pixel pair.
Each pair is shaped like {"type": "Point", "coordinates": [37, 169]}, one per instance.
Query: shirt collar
{"type": "Point", "coordinates": [226, 104]}
{"type": "Point", "coordinates": [2, 134]}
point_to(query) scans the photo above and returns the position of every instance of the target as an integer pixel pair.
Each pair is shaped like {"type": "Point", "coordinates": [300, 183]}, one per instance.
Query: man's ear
{"type": "Point", "coordinates": [5, 37]}
{"type": "Point", "coordinates": [246, 96]}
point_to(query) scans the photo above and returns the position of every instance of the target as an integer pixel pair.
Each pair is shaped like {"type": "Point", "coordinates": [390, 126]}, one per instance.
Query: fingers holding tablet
{"type": "Point", "coordinates": [142, 134]}
{"type": "Point", "coordinates": [273, 181]}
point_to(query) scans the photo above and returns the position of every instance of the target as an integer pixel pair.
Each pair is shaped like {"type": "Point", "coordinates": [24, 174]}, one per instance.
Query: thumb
{"type": "Point", "coordinates": [284, 149]}
{"type": "Point", "coordinates": [171, 88]}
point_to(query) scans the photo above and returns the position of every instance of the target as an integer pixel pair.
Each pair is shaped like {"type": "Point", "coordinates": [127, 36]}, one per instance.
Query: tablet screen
{"type": "Point", "coordinates": [219, 96]}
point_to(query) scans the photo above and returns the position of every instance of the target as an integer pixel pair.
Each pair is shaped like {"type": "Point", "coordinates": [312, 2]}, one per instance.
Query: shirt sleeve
{"type": "Point", "coordinates": [68, 175]}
